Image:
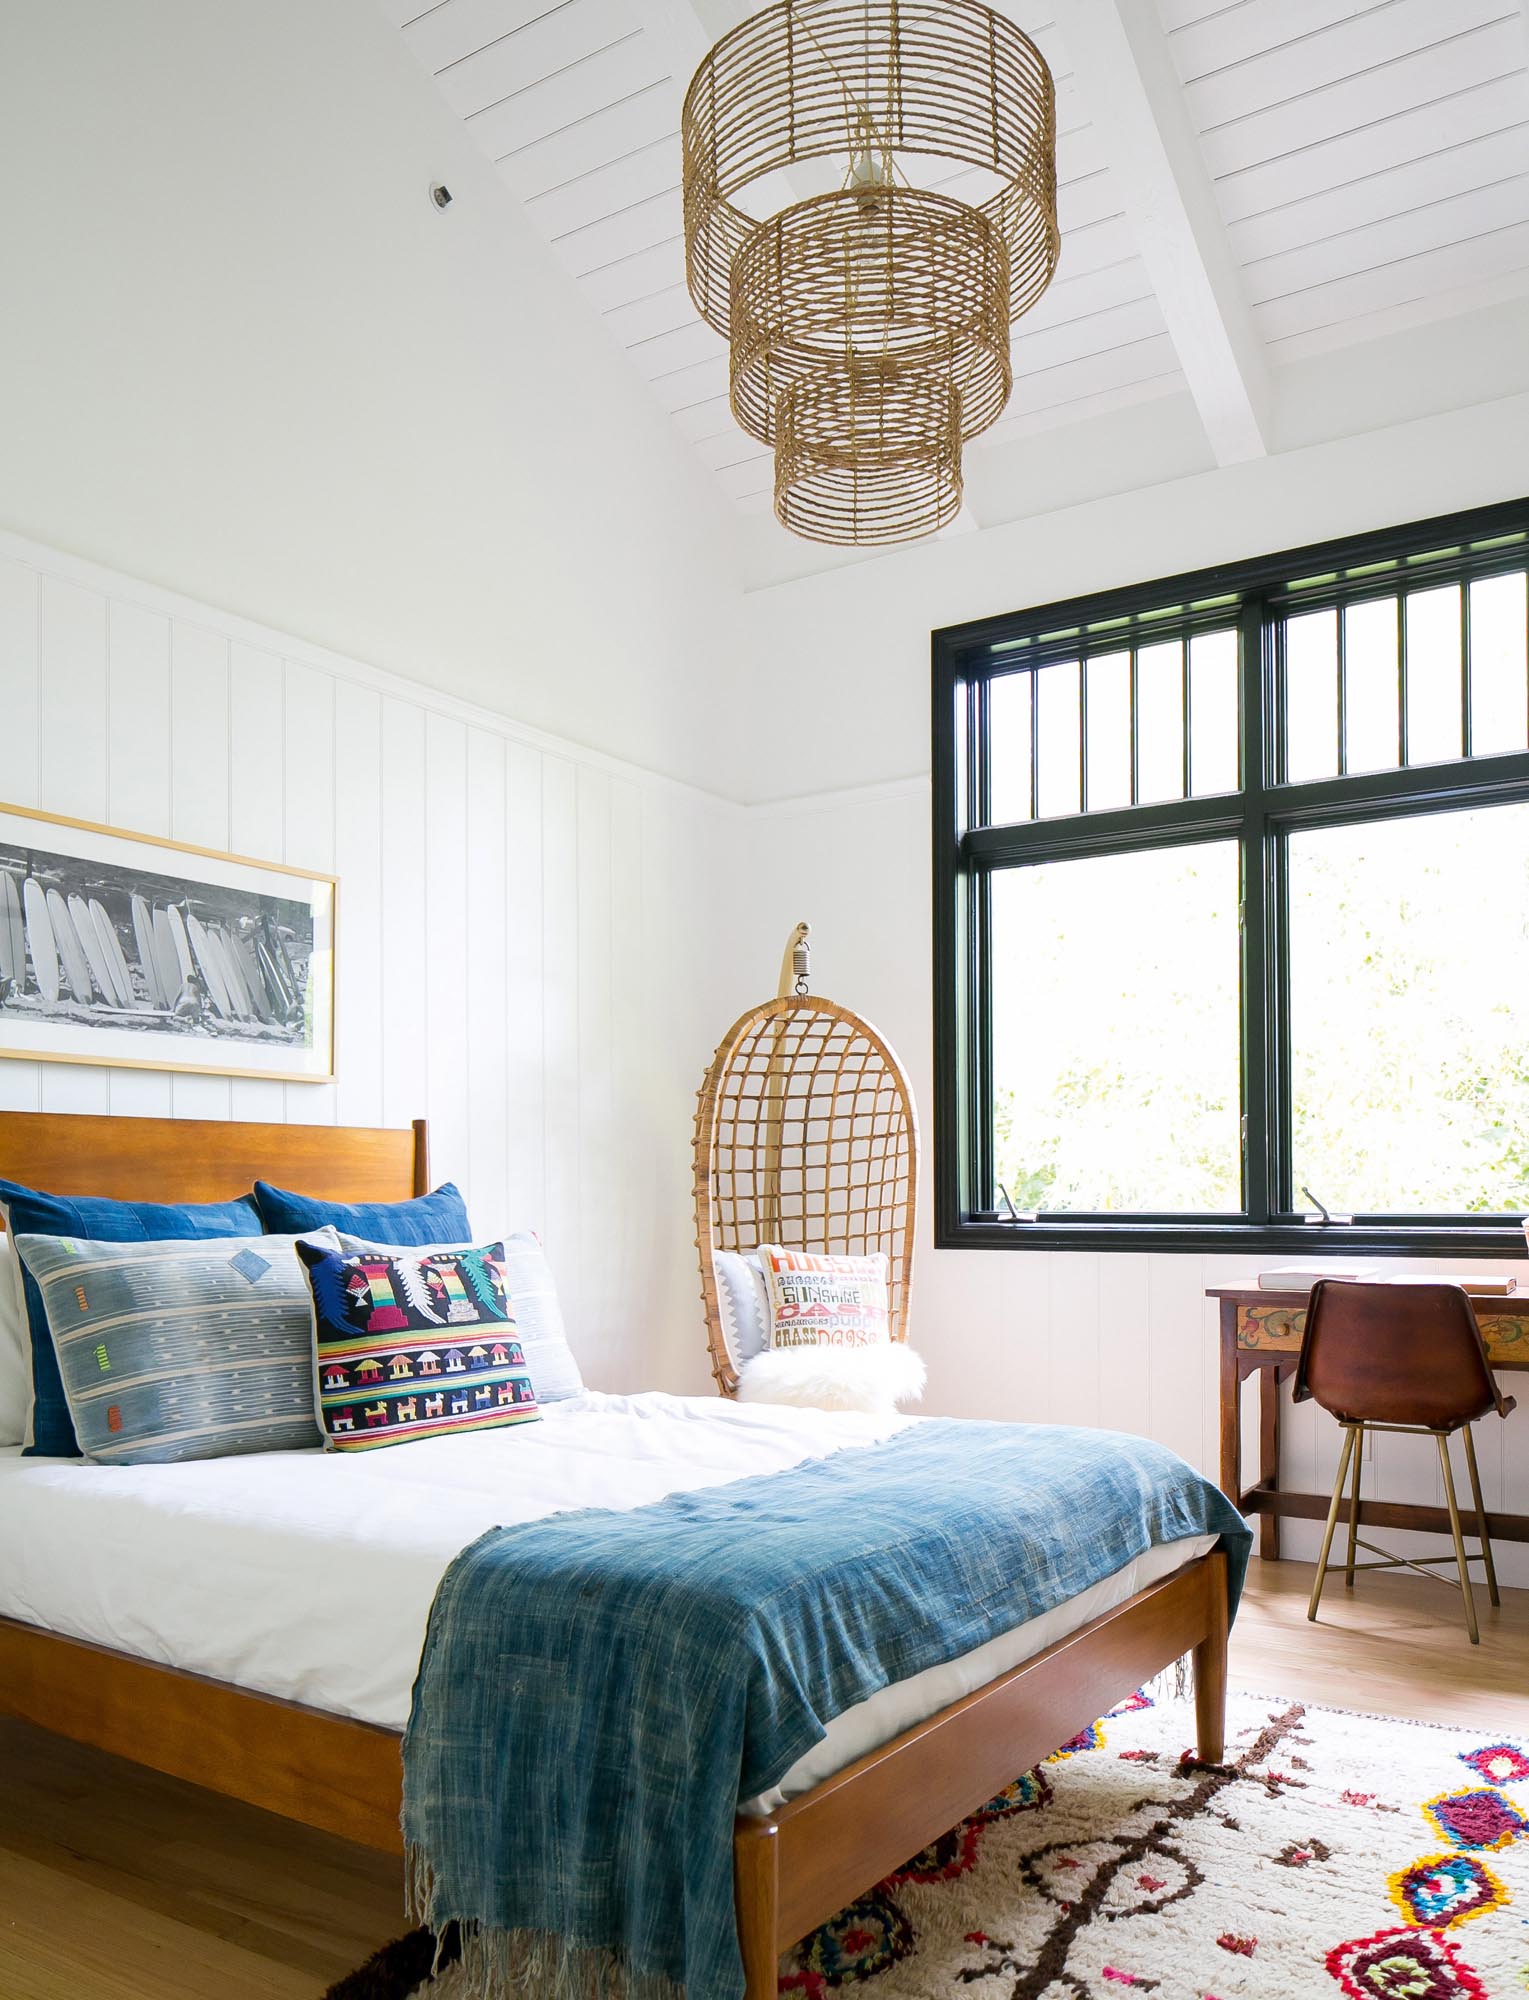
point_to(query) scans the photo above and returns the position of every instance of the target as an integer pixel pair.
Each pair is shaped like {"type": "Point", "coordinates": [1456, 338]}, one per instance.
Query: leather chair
{"type": "Point", "coordinates": [1404, 1357]}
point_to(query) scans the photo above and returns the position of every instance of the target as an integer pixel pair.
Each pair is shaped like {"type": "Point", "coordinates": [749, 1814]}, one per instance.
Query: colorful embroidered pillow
{"type": "Point", "coordinates": [189, 1348]}
{"type": "Point", "coordinates": [413, 1344]}
{"type": "Point", "coordinates": [825, 1301]}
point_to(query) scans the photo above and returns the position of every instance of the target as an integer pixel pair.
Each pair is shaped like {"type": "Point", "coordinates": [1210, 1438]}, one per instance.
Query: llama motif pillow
{"type": "Point", "coordinates": [825, 1301]}
{"type": "Point", "coordinates": [412, 1344]}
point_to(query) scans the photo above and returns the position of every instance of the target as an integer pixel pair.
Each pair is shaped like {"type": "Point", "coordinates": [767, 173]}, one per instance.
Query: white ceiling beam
{"type": "Point", "coordinates": [1132, 92]}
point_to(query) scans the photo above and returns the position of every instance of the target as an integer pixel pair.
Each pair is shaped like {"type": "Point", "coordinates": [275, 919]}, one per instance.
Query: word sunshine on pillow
{"type": "Point", "coordinates": [413, 1344]}
{"type": "Point", "coordinates": [825, 1301]}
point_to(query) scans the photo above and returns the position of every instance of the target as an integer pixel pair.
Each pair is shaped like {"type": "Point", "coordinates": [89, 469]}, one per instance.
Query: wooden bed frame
{"type": "Point", "coordinates": [794, 1869]}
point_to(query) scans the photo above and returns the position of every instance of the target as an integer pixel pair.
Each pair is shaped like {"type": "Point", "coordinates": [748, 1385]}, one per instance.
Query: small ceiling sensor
{"type": "Point", "coordinates": [440, 194]}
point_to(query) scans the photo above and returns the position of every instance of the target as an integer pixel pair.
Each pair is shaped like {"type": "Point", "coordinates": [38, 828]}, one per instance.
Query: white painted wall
{"type": "Point", "coordinates": [834, 670]}
{"type": "Point", "coordinates": [246, 358]}
{"type": "Point", "coordinates": [1125, 1340]}
{"type": "Point", "coordinates": [519, 956]}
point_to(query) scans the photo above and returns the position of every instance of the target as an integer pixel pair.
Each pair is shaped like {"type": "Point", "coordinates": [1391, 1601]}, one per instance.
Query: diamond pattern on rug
{"type": "Point", "coordinates": [1483, 1819]}
{"type": "Point", "coordinates": [1123, 1866]}
{"type": "Point", "coordinates": [1403, 1965]}
{"type": "Point", "coordinates": [1445, 1889]}
{"type": "Point", "coordinates": [1498, 1763]}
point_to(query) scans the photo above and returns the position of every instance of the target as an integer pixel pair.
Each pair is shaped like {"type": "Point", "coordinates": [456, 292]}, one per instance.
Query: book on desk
{"type": "Point", "coordinates": [1301, 1278]}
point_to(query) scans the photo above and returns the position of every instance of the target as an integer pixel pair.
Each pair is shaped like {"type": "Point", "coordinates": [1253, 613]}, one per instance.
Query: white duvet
{"type": "Point", "coordinates": [310, 1575]}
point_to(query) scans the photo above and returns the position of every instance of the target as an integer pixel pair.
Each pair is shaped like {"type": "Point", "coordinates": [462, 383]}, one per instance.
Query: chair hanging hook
{"type": "Point", "coordinates": [796, 964]}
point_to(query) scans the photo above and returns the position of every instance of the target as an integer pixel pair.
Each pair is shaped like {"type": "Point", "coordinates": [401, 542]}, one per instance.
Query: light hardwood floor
{"type": "Point", "coordinates": [119, 1885]}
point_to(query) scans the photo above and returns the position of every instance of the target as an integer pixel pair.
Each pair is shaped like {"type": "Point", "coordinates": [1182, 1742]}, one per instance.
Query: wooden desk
{"type": "Point", "coordinates": [1261, 1332]}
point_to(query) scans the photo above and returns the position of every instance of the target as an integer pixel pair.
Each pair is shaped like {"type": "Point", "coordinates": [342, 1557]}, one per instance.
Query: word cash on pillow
{"type": "Point", "coordinates": [825, 1301]}
{"type": "Point", "coordinates": [187, 1348]}
{"type": "Point", "coordinates": [413, 1344]}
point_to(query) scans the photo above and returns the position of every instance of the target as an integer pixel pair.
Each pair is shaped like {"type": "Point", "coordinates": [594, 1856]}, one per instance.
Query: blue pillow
{"type": "Point", "coordinates": [30, 1213]}
{"type": "Point", "coordinates": [430, 1218]}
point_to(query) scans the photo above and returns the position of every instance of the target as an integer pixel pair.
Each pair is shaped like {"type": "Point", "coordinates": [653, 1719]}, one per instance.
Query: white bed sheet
{"type": "Point", "coordinates": [310, 1575]}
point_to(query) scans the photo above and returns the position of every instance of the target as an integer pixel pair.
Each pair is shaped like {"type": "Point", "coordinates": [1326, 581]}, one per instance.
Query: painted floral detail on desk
{"type": "Point", "coordinates": [1270, 1326]}
{"type": "Point", "coordinates": [1282, 1327]}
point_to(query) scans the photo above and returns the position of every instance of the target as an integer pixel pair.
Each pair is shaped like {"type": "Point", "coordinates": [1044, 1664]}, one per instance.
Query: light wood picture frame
{"type": "Point", "coordinates": [137, 952]}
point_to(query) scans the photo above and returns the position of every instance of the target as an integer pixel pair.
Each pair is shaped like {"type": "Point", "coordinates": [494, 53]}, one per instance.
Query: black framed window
{"type": "Point", "coordinates": [1231, 894]}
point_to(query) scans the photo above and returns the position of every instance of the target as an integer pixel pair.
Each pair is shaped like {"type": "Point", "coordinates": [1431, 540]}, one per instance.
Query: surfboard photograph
{"type": "Point", "coordinates": [125, 949]}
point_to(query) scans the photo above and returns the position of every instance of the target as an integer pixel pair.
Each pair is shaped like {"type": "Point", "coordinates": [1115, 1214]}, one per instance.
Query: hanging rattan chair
{"type": "Point", "coordinates": [805, 1136]}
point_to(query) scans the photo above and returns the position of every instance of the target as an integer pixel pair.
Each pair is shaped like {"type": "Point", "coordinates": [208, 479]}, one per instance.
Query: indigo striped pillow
{"type": "Point", "coordinates": [179, 1350]}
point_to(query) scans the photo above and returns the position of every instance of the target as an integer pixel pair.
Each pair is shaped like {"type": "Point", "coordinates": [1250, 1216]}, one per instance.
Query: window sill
{"type": "Point", "coordinates": [1341, 1240]}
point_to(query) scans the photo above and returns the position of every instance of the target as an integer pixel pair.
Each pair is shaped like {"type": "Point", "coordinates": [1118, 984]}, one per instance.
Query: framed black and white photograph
{"type": "Point", "coordinates": [124, 949]}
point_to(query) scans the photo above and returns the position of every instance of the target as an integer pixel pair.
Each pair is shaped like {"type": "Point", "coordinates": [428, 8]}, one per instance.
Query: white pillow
{"type": "Point", "coordinates": [743, 1303]}
{"type": "Point", "coordinates": [834, 1378]}
{"type": "Point", "coordinates": [538, 1316]}
{"type": "Point", "coordinates": [821, 1301]}
{"type": "Point", "coordinates": [15, 1348]}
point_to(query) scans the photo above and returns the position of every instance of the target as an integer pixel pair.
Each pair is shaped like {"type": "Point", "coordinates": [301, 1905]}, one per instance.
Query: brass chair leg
{"type": "Point", "coordinates": [1481, 1516]}
{"type": "Point", "coordinates": [1332, 1521]}
{"type": "Point", "coordinates": [1454, 1528]}
{"type": "Point", "coordinates": [1353, 1508]}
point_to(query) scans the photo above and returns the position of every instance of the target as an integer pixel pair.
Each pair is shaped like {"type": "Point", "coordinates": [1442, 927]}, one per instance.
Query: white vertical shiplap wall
{"type": "Point", "coordinates": [521, 953]}
{"type": "Point", "coordinates": [1119, 1339]}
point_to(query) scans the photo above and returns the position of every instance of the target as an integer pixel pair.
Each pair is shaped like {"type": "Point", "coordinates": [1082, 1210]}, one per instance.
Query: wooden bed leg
{"type": "Point", "coordinates": [1210, 1672]}
{"type": "Point", "coordinates": [756, 1861]}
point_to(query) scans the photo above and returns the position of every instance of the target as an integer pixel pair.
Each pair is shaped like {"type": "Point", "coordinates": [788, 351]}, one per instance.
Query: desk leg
{"type": "Point", "coordinates": [1231, 1406]}
{"type": "Point", "coordinates": [1268, 1457]}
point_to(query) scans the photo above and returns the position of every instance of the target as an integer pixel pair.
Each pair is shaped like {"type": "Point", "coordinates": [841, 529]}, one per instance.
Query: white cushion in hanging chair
{"type": "Point", "coordinates": [834, 1378]}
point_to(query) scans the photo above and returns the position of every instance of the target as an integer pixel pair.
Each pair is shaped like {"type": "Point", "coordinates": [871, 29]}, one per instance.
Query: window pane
{"type": "Point", "coordinates": [1160, 722]}
{"type": "Point", "coordinates": [1213, 713]}
{"type": "Point", "coordinates": [1433, 675]}
{"type": "Point", "coordinates": [1498, 691]}
{"type": "Point", "coordinates": [1008, 713]}
{"type": "Point", "coordinates": [1371, 684]}
{"type": "Point", "coordinates": [1060, 734]}
{"type": "Point", "coordinates": [1311, 696]}
{"type": "Point", "coordinates": [1109, 731]}
{"type": "Point", "coordinates": [1115, 1032]}
{"type": "Point", "coordinates": [1409, 946]}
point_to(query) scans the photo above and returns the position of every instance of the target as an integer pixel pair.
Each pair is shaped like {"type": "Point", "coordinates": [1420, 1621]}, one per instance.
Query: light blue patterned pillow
{"type": "Point", "coordinates": [180, 1350]}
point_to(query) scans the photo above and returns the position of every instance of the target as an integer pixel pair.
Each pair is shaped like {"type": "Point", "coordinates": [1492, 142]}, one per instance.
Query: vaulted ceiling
{"type": "Point", "coordinates": [1242, 186]}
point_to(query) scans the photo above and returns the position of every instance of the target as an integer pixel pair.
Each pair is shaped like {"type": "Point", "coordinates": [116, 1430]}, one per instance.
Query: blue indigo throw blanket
{"type": "Point", "coordinates": [599, 1689]}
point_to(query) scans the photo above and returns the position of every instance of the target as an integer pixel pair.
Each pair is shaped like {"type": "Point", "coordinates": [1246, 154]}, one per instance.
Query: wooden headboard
{"type": "Point", "coordinates": [209, 1159]}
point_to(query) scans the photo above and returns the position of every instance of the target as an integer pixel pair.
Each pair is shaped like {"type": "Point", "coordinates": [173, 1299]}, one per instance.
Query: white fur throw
{"type": "Point", "coordinates": [834, 1378]}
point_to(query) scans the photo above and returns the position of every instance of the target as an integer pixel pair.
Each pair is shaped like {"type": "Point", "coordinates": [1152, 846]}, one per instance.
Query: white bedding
{"type": "Point", "coordinates": [310, 1575]}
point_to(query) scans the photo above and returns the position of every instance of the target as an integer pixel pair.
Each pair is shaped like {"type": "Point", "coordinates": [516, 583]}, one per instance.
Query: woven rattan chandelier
{"type": "Point", "coordinates": [868, 323]}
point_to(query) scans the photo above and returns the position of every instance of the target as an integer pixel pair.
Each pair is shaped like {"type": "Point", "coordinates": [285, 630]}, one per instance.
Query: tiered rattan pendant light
{"type": "Point", "coordinates": [869, 325]}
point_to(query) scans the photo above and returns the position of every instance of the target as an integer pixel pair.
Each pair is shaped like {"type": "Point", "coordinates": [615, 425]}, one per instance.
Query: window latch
{"type": "Point", "coordinates": [1324, 1215]}
{"type": "Point", "coordinates": [1014, 1214]}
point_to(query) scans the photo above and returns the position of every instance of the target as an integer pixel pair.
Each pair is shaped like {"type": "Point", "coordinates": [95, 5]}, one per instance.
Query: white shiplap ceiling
{"type": "Point", "coordinates": [1241, 185]}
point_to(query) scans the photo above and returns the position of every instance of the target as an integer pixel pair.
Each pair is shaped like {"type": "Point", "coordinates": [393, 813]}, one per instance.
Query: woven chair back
{"type": "Point", "coordinates": [805, 1136]}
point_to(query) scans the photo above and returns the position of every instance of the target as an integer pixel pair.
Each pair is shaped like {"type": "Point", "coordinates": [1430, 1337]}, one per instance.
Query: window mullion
{"type": "Point", "coordinates": [1257, 714]}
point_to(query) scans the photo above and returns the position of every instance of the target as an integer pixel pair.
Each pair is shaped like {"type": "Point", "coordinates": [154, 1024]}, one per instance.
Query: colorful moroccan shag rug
{"type": "Point", "coordinates": [1332, 1854]}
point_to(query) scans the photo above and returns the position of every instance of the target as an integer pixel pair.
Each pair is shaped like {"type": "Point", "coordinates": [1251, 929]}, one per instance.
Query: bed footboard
{"type": "Point", "coordinates": [795, 1868]}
